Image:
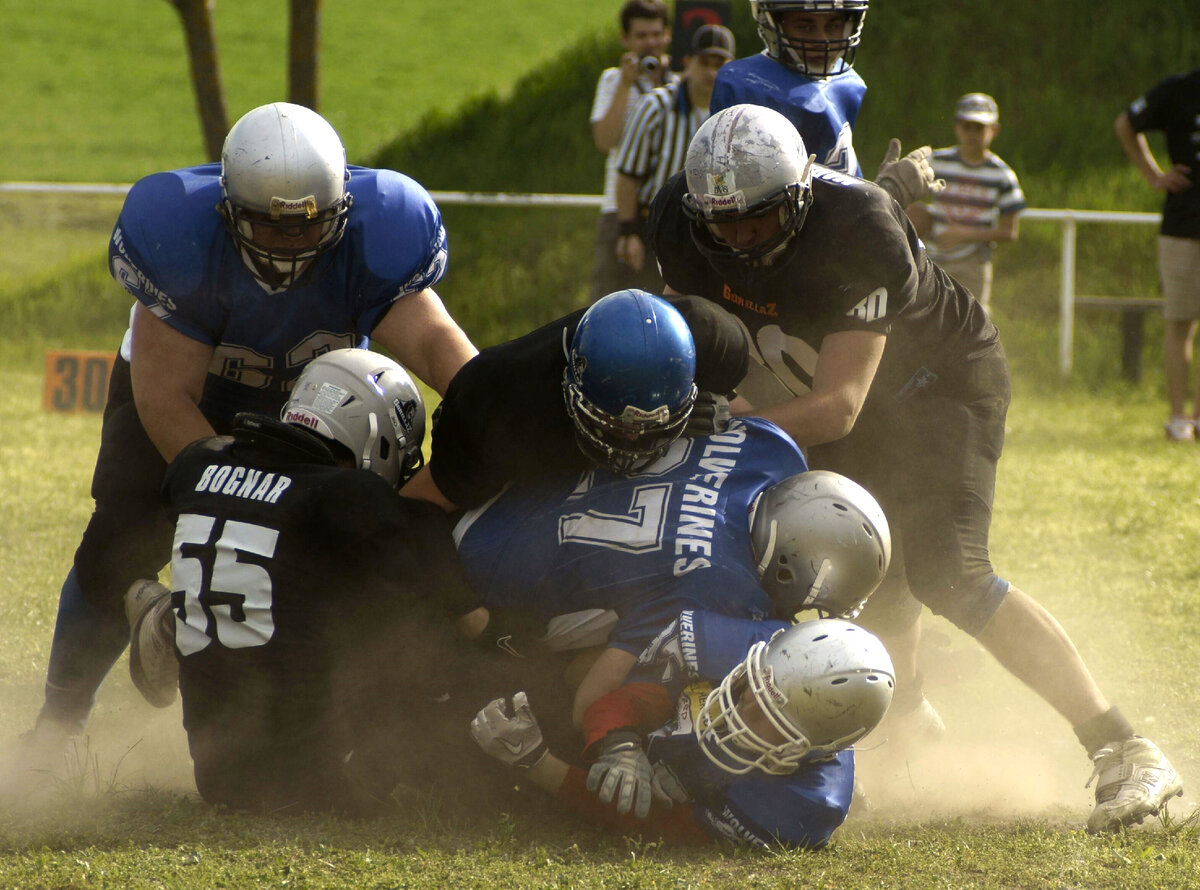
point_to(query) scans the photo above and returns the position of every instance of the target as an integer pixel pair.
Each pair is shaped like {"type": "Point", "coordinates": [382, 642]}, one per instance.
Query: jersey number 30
{"type": "Point", "coordinates": [226, 588]}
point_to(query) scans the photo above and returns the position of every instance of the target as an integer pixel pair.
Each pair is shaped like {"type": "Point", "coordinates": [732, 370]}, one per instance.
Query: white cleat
{"type": "Point", "coordinates": [1135, 781]}
{"type": "Point", "coordinates": [152, 664]}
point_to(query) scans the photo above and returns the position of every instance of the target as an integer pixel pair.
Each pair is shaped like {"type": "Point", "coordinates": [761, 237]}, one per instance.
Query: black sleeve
{"type": "Point", "coordinates": [722, 344]}
{"type": "Point", "coordinates": [502, 417]}
{"type": "Point", "coordinates": [394, 550]}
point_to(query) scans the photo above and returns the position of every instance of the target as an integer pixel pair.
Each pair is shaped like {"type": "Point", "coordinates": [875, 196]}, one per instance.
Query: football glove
{"type": "Point", "coordinates": [710, 414]}
{"type": "Point", "coordinates": [910, 178]}
{"type": "Point", "coordinates": [509, 732]}
{"type": "Point", "coordinates": [665, 788]}
{"type": "Point", "coordinates": [622, 771]}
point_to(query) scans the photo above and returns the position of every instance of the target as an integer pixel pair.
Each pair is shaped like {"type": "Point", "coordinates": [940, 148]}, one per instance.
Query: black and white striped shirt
{"type": "Point", "coordinates": [655, 140]}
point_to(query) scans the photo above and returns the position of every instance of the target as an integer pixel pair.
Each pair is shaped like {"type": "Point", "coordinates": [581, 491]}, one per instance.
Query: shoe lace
{"type": "Point", "coordinates": [1099, 762]}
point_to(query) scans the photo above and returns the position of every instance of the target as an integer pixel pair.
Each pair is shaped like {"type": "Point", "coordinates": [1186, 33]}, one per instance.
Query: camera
{"type": "Point", "coordinates": [649, 64]}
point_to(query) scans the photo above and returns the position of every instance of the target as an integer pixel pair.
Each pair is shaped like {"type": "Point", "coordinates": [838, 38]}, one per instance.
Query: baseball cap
{"type": "Point", "coordinates": [716, 40]}
{"type": "Point", "coordinates": [978, 107]}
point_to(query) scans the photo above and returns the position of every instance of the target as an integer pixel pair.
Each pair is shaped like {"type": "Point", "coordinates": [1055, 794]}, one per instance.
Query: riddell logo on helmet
{"type": "Point", "coordinates": [302, 417]}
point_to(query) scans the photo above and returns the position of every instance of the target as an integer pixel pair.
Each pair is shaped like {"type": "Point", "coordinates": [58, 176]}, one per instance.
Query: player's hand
{"type": "Point", "coordinates": [909, 178]}
{"type": "Point", "coordinates": [709, 415]}
{"type": "Point", "coordinates": [622, 771]}
{"type": "Point", "coordinates": [665, 650]}
{"type": "Point", "coordinates": [509, 732]}
{"type": "Point", "coordinates": [665, 789]}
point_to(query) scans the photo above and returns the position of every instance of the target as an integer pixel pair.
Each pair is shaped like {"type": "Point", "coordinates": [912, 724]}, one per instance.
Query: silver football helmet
{"type": "Point", "coordinates": [819, 686]}
{"type": "Point", "coordinates": [367, 403]}
{"type": "Point", "coordinates": [817, 58]}
{"type": "Point", "coordinates": [745, 161]}
{"type": "Point", "coordinates": [283, 190]}
{"type": "Point", "coordinates": [821, 542]}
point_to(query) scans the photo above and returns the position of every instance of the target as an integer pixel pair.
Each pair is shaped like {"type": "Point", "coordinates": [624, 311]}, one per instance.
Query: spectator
{"type": "Point", "coordinates": [888, 371]}
{"type": "Point", "coordinates": [1173, 107]}
{"type": "Point", "coordinates": [243, 272]}
{"type": "Point", "coordinates": [806, 73]}
{"type": "Point", "coordinates": [979, 205]}
{"type": "Point", "coordinates": [655, 142]}
{"type": "Point", "coordinates": [645, 35]}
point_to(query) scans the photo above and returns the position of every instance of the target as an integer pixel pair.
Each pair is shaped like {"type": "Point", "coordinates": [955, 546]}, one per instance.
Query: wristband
{"type": "Point", "coordinates": [627, 227]}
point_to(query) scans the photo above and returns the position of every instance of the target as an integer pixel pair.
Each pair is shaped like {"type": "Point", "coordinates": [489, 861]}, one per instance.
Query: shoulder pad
{"type": "Point", "coordinates": [166, 225]}
{"type": "Point", "coordinates": [397, 228]}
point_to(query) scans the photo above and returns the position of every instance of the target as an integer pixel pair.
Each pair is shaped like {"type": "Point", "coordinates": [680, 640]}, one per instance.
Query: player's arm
{"type": "Point", "coordinates": [168, 370]}
{"type": "Point", "coordinates": [1137, 149]}
{"type": "Point", "coordinates": [845, 369]}
{"type": "Point", "coordinates": [607, 673]}
{"type": "Point", "coordinates": [422, 487]}
{"type": "Point", "coordinates": [424, 338]}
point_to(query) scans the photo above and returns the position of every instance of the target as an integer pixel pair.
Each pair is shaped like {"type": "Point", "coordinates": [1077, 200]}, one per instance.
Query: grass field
{"type": "Point", "coordinates": [1096, 515]}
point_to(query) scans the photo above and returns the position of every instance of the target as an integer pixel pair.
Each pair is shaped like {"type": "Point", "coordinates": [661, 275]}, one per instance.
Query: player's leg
{"type": "Point", "coordinates": [950, 568]}
{"type": "Point", "coordinates": [128, 537]}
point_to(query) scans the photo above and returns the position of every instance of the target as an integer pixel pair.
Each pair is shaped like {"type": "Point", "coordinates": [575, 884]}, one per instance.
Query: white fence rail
{"type": "Point", "coordinates": [1068, 219]}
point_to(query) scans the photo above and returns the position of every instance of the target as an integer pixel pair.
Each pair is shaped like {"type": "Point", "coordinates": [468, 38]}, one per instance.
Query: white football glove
{"type": "Point", "coordinates": [510, 733]}
{"type": "Point", "coordinates": [623, 770]}
{"type": "Point", "coordinates": [910, 178]}
{"type": "Point", "coordinates": [665, 788]}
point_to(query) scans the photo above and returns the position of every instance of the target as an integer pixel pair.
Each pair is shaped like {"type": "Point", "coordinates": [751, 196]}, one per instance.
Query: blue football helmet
{"type": "Point", "coordinates": [629, 383]}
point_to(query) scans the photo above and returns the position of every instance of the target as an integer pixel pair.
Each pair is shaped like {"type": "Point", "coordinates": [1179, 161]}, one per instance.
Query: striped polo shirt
{"type": "Point", "coordinates": [655, 140]}
{"type": "Point", "coordinates": [975, 195]}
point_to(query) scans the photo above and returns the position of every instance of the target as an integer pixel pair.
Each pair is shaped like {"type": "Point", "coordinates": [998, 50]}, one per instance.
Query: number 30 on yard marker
{"type": "Point", "coordinates": [76, 380]}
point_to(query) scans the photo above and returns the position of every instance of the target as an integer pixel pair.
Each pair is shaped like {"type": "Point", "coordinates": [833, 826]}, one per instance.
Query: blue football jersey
{"type": "Point", "coordinates": [823, 109]}
{"type": "Point", "coordinates": [800, 809]}
{"type": "Point", "coordinates": [171, 250]}
{"type": "Point", "coordinates": [674, 537]}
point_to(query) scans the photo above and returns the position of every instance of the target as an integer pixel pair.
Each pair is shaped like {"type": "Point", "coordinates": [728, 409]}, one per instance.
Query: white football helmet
{"type": "Point", "coordinates": [367, 403]}
{"type": "Point", "coordinates": [817, 58]}
{"type": "Point", "coordinates": [821, 542]}
{"type": "Point", "coordinates": [283, 172]}
{"type": "Point", "coordinates": [744, 161]}
{"type": "Point", "coordinates": [821, 686]}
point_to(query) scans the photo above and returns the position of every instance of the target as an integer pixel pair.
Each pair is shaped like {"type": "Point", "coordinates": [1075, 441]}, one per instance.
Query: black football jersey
{"type": "Point", "coordinates": [503, 417]}
{"type": "Point", "coordinates": [288, 574]}
{"type": "Point", "coordinates": [857, 264]}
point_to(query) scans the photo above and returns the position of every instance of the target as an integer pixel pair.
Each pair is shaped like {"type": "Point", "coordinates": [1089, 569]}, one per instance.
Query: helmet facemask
{"type": "Point", "coordinates": [816, 58]}
{"type": "Point", "coordinates": [819, 687]}
{"type": "Point", "coordinates": [791, 203]}
{"type": "Point", "coordinates": [279, 267]}
{"type": "Point", "coordinates": [626, 443]}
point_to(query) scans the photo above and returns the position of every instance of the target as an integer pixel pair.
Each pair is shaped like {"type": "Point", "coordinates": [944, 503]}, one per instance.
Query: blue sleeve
{"type": "Point", "coordinates": [400, 237]}
{"type": "Point", "coordinates": [800, 810]}
{"type": "Point", "coordinates": [166, 238]}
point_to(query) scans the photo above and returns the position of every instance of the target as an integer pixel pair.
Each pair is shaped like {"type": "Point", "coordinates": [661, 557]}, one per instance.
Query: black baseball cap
{"type": "Point", "coordinates": [716, 40]}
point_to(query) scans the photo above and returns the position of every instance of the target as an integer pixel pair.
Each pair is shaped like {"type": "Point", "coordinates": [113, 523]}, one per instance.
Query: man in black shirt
{"type": "Point", "coordinates": [309, 601]}
{"type": "Point", "coordinates": [887, 371]}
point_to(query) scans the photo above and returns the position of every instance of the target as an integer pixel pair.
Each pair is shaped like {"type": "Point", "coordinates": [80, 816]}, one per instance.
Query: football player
{"type": "Point", "coordinates": [731, 730]}
{"type": "Point", "coordinates": [307, 598]}
{"type": "Point", "coordinates": [610, 386]}
{"type": "Point", "coordinates": [806, 72]}
{"type": "Point", "coordinates": [243, 272]}
{"type": "Point", "coordinates": [887, 370]}
{"type": "Point", "coordinates": [728, 522]}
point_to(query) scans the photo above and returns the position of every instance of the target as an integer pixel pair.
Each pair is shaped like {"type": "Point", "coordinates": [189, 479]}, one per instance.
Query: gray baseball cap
{"type": "Point", "coordinates": [978, 107]}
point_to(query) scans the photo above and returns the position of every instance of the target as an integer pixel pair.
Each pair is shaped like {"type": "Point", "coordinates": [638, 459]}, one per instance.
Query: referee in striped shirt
{"type": "Point", "coordinates": [655, 142]}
